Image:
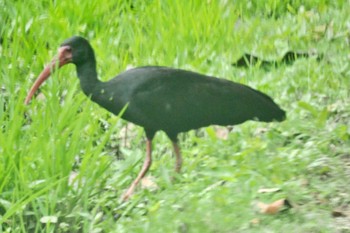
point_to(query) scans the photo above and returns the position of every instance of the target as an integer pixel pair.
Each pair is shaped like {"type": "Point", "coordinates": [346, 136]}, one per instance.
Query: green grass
{"type": "Point", "coordinates": [307, 156]}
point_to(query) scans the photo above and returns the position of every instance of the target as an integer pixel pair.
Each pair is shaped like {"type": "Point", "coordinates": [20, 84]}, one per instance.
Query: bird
{"type": "Point", "coordinates": [160, 98]}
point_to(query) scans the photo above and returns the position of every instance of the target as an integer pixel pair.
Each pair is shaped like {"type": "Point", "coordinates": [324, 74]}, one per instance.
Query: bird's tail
{"type": "Point", "coordinates": [268, 110]}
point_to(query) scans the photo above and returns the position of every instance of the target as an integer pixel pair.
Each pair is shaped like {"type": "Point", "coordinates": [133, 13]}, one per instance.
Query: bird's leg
{"type": "Point", "coordinates": [147, 163]}
{"type": "Point", "coordinates": [178, 162]}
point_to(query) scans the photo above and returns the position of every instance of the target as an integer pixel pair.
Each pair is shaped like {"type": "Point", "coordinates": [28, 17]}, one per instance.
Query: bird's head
{"type": "Point", "coordinates": [76, 50]}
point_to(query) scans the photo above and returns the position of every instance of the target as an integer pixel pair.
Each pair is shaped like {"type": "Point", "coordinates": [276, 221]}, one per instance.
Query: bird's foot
{"type": "Point", "coordinates": [128, 193]}
{"type": "Point", "coordinates": [178, 165]}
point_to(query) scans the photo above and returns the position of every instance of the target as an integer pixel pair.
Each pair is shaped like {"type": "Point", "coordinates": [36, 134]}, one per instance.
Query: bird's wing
{"type": "Point", "coordinates": [179, 103]}
{"type": "Point", "coordinates": [173, 100]}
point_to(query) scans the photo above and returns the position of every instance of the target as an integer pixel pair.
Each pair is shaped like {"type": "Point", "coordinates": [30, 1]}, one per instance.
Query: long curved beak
{"type": "Point", "coordinates": [64, 57]}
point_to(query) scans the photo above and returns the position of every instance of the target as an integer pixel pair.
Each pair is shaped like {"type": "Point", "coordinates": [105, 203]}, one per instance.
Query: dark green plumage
{"type": "Point", "coordinates": [162, 98]}
{"type": "Point", "coordinates": [172, 100]}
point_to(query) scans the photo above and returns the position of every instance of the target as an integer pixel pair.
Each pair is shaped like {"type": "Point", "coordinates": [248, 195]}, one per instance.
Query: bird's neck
{"type": "Point", "coordinates": [88, 77]}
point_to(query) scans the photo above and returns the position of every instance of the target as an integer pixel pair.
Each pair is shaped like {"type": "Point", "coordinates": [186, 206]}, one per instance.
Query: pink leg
{"type": "Point", "coordinates": [146, 165]}
{"type": "Point", "coordinates": [178, 162]}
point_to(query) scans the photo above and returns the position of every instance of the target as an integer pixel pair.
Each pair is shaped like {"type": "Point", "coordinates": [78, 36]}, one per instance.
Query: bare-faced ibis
{"type": "Point", "coordinates": [162, 98]}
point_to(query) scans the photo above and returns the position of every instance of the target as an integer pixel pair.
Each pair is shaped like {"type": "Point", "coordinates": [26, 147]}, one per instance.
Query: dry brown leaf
{"type": "Point", "coordinates": [221, 132]}
{"type": "Point", "coordinates": [273, 207]}
{"type": "Point", "coordinates": [269, 190]}
{"type": "Point", "coordinates": [255, 221]}
{"type": "Point", "coordinates": [148, 183]}
{"type": "Point", "coordinates": [41, 97]}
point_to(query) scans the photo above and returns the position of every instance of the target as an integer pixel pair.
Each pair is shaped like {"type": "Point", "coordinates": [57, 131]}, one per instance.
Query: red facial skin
{"type": "Point", "coordinates": [64, 57]}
